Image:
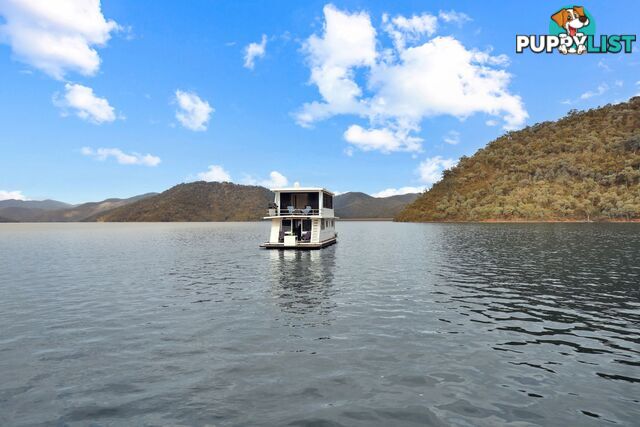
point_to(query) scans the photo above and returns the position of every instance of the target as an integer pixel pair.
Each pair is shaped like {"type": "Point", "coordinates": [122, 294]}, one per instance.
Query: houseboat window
{"type": "Point", "coordinates": [306, 225]}
{"type": "Point", "coordinates": [299, 200]}
{"type": "Point", "coordinates": [322, 224]}
{"type": "Point", "coordinates": [327, 201]}
{"type": "Point", "coordinates": [285, 200]}
{"type": "Point", "coordinates": [286, 225]}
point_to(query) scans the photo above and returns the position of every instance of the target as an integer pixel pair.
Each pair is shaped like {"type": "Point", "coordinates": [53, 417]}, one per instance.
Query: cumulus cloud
{"type": "Point", "coordinates": [275, 180]}
{"type": "Point", "coordinates": [384, 140]}
{"type": "Point", "coordinates": [85, 104]}
{"type": "Point", "coordinates": [398, 191]}
{"type": "Point", "coordinates": [193, 112]}
{"type": "Point", "coordinates": [12, 195]}
{"type": "Point", "coordinates": [348, 42]}
{"type": "Point", "coordinates": [56, 36]}
{"type": "Point", "coordinates": [121, 157]}
{"type": "Point", "coordinates": [218, 173]}
{"type": "Point", "coordinates": [430, 170]}
{"type": "Point", "coordinates": [402, 29]}
{"type": "Point", "coordinates": [253, 51]}
{"type": "Point", "coordinates": [399, 88]}
{"type": "Point", "coordinates": [215, 173]}
{"type": "Point", "coordinates": [466, 84]}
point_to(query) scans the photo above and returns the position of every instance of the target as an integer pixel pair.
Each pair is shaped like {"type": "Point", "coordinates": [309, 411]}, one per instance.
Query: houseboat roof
{"type": "Point", "coordinates": [300, 190]}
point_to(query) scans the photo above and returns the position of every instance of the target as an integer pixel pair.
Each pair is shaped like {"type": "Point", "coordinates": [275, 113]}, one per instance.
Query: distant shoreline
{"type": "Point", "coordinates": [487, 221]}
{"type": "Point", "coordinates": [524, 221]}
{"type": "Point", "coordinates": [365, 219]}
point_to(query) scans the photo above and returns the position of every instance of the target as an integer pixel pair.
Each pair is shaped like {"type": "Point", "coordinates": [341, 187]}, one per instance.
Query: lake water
{"type": "Point", "coordinates": [397, 324]}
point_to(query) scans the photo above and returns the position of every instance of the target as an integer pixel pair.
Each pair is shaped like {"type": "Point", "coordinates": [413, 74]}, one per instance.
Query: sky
{"type": "Point", "coordinates": [119, 98]}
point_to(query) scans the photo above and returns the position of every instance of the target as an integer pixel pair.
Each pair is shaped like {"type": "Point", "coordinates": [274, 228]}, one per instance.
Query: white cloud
{"type": "Point", "coordinates": [403, 30]}
{"type": "Point", "coordinates": [218, 173]}
{"type": "Point", "coordinates": [452, 137]}
{"type": "Point", "coordinates": [602, 88]}
{"type": "Point", "coordinates": [405, 84]}
{"type": "Point", "coordinates": [430, 170]}
{"type": "Point", "coordinates": [275, 180]}
{"type": "Point", "coordinates": [253, 51]}
{"type": "Point", "coordinates": [454, 17]}
{"type": "Point", "coordinates": [121, 157]}
{"type": "Point", "coordinates": [85, 104]}
{"type": "Point", "coordinates": [442, 77]}
{"type": "Point", "coordinates": [12, 195]}
{"type": "Point", "coordinates": [348, 41]}
{"type": "Point", "coordinates": [598, 91]}
{"type": "Point", "coordinates": [193, 113]}
{"type": "Point", "coordinates": [215, 173]}
{"type": "Point", "coordinates": [398, 191]}
{"type": "Point", "coordinates": [56, 36]}
{"type": "Point", "coordinates": [384, 140]}
{"type": "Point", "coordinates": [491, 122]}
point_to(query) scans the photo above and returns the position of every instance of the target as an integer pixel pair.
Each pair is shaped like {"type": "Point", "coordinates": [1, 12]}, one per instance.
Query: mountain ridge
{"type": "Point", "coordinates": [73, 213]}
{"type": "Point", "coordinates": [196, 201]}
{"type": "Point", "coordinates": [47, 204]}
{"type": "Point", "coordinates": [202, 201]}
{"type": "Point", "coordinates": [358, 205]}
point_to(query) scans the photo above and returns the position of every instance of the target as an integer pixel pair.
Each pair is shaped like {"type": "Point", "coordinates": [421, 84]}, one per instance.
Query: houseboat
{"type": "Point", "coordinates": [301, 218]}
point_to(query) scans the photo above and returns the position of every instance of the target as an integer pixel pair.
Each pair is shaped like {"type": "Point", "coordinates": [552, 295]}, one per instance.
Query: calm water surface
{"type": "Point", "coordinates": [397, 324]}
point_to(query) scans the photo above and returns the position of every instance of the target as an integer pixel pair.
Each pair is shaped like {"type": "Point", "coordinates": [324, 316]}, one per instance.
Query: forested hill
{"type": "Point", "coordinates": [224, 201]}
{"type": "Point", "coordinates": [360, 205]}
{"type": "Point", "coordinates": [196, 201]}
{"type": "Point", "coordinates": [585, 166]}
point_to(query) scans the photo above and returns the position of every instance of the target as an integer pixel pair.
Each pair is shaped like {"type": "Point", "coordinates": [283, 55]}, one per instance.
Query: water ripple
{"type": "Point", "coordinates": [398, 324]}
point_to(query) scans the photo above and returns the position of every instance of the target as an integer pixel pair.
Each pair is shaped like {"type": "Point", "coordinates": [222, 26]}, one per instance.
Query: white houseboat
{"type": "Point", "coordinates": [301, 218]}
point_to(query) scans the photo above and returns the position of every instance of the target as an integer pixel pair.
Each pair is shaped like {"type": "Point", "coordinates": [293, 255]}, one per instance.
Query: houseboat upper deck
{"type": "Point", "coordinates": [301, 218]}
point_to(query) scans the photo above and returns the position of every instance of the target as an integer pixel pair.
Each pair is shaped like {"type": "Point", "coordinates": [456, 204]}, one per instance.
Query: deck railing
{"type": "Point", "coordinates": [293, 212]}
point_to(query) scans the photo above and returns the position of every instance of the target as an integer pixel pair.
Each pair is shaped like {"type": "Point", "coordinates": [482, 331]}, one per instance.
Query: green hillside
{"type": "Point", "coordinates": [585, 166]}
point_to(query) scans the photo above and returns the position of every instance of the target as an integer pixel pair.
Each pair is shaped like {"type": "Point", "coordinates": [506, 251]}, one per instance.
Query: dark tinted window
{"type": "Point", "coordinates": [327, 201]}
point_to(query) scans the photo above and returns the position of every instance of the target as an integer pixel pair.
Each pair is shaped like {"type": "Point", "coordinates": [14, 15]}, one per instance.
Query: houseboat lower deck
{"type": "Point", "coordinates": [300, 245]}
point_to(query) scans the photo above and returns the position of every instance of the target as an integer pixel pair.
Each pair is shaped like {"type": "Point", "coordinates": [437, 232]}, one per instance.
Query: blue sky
{"type": "Point", "coordinates": [120, 98]}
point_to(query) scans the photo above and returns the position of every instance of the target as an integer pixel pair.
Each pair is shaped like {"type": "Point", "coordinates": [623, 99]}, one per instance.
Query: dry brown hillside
{"type": "Point", "coordinates": [585, 166]}
{"type": "Point", "coordinates": [196, 201]}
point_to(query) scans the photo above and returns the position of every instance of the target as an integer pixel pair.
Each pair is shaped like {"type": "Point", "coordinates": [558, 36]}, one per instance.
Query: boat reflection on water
{"type": "Point", "coordinates": [302, 282]}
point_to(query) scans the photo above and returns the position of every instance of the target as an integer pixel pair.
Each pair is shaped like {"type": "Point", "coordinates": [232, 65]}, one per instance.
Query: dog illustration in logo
{"type": "Point", "coordinates": [571, 19]}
